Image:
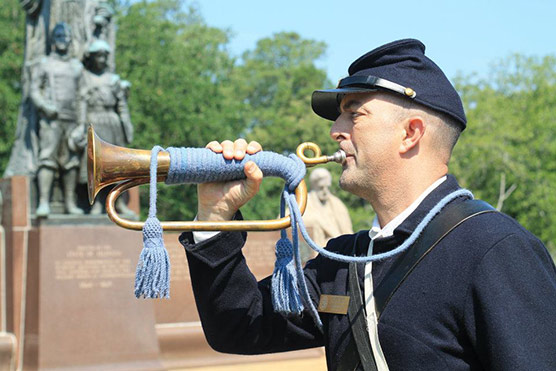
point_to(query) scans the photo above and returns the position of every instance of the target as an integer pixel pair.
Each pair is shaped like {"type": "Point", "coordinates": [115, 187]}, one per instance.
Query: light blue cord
{"type": "Point", "coordinates": [285, 279]}
{"type": "Point", "coordinates": [152, 277]}
{"type": "Point", "coordinates": [294, 208]}
{"type": "Point", "coordinates": [288, 285]}
{"type": "Point", "coordinates": [295, 221]}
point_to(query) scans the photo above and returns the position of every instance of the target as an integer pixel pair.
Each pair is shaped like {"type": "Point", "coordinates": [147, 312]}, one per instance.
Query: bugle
{"type": "Point", "coordinates": [108, 164]}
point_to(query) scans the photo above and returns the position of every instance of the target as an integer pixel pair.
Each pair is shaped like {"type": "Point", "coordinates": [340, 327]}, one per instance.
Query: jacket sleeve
{"type": "Point", "coordinates": [510, 311]}
{"type": "Point", "coordinates": [235, 310]}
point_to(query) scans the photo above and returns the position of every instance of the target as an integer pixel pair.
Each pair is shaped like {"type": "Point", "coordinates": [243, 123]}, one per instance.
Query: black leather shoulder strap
{"type": "Point", "coordinates": [358, 355]}
{"type": "Point", "coordinates": [450, 217]}
{"type": "Point", "coordinates": [358, 321]}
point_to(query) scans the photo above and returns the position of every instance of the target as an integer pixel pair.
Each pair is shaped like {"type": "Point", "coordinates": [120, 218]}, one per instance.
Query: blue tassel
{"type": "Point", "coordinates": [284, 289]}
{"type": "Point", "coordinates": [152, 278]}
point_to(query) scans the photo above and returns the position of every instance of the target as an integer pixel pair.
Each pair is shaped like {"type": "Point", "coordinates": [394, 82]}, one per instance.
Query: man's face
{"type": "Point", "coordinates": [368, 131]}
{"type": "Point", "coordinates": [61, 39]}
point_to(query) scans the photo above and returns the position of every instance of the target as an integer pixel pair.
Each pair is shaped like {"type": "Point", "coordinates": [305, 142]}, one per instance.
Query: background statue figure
{"type": "Point", "coordinates": [54, 92]}
{"type": "Point", "coordinates": [103, 97]}
{"type": "Point", "coordinates": [326, 215]}
{"type": "Point", "coordinates": [89, 20]}
{"type": "Point", "coordinates": [72, 12]}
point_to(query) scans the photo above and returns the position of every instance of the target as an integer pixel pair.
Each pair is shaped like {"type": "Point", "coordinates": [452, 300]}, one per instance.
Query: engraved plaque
{"type": "Point", "coordinates": [87, 309]}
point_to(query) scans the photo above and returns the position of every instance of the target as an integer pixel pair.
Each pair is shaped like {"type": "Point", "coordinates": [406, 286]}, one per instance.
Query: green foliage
{"type": "Point", "coordinates": [512, 134]}
{"type": "Point", "coordinates": [275, 82]}
{"type": "Point", "coordinates": [12, 30]}
{"type": "Point", "coordinates": [181, 92]}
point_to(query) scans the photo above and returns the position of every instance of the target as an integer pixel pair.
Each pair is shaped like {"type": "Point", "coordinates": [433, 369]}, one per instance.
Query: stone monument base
{"type": "Point", "coordinates": [8, 344]}
{"type": "Point", "coordinates": [81, 309]}
{"type": "Point", "coordinates": [184, 345]}
{"type": "Point", "coordinates": [69, 296]}
{"type": "Point", "coordinates": [69, 290]}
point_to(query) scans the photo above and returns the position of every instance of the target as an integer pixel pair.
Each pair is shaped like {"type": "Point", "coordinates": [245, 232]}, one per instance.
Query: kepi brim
{"type": "Point", "coordinates": [326, 103]}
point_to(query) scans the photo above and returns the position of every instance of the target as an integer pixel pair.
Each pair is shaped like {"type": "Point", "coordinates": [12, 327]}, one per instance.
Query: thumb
{"type": "Point", "coordinates": [254, 178]}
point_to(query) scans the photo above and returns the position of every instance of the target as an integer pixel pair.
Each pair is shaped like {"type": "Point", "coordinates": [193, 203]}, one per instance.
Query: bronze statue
{"type": "Point", "coordinates": [54, 91]}
{"type": "Point", "coordinates": [46, 142]}
{"type": "Point", "coordinates": [104, 105]}
{"type": "Point", "coordinates": [101, 27]}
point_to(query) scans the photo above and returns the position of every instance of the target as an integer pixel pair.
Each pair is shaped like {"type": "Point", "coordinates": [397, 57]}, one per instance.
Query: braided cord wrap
{"type": "Point", "coordinates": [202, 165]}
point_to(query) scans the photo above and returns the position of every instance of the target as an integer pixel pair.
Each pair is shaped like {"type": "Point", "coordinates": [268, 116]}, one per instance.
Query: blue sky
{"type": "Point", "coordinates": [460, 36]}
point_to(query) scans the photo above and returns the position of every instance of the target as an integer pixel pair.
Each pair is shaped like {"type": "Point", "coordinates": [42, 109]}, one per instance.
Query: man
{"type": "Point", "coordinates": [484, 298]}
{"type": "Point", "coordinates": [325, 214]}
{"type": "Point", "coordinates": [54, 91]}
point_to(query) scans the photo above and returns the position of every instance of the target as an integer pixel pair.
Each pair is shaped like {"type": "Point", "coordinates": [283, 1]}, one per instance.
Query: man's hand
{"type": "Point", "coordinates": [221, 200]}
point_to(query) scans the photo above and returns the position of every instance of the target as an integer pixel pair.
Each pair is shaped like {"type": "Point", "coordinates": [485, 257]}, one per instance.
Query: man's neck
{"type": "Point", "coordinates": [398, 194]}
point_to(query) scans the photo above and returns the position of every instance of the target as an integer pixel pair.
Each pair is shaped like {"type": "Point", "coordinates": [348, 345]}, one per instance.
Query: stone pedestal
{"type": "Point", "coordinates": [16, 223]}
{"type": "Point", "coordinates": [8, 341]}
{"type": "Point", "coordinates": [8, 344]}
{"type": "Point", "coordinates": [70, 301]}
{"type": "Point", "coordinates": [67, 299]}
{"type": "Point", "coordinates": [88, 313]}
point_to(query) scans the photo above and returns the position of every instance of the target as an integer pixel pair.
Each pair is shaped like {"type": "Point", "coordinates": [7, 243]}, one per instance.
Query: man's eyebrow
{"type": "Point", "coordinates": [351, 104]}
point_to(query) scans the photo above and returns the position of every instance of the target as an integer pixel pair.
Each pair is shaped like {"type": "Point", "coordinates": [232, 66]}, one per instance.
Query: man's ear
{"type": "Point", "coordinates": [413, 132]}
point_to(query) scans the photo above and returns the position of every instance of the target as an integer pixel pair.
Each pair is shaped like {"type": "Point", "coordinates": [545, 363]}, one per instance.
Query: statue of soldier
{"type": "Point", "coordinates": [104, 101]}
{"type": "Point", "coordinates": [54, 90]}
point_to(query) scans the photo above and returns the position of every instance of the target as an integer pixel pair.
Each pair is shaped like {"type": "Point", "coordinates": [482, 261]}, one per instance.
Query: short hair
{"type": "Point", "coordinates": [445, 129]}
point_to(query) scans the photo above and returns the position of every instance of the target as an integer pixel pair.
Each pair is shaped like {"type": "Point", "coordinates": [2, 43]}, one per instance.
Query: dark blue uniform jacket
{"type": "Point", "coordinates": [483, 299]}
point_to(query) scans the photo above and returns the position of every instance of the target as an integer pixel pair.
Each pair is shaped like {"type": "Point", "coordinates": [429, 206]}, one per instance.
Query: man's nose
{"type": "Point", "coordinates": [338, 130]}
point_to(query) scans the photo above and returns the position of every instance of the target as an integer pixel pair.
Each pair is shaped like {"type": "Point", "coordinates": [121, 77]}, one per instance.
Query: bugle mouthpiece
{"type": "Point", "coordinates": [339, 157]}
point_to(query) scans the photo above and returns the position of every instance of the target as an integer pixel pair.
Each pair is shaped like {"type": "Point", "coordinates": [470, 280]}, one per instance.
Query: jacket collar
{"type": "Point", "coordinates": [404, 230]}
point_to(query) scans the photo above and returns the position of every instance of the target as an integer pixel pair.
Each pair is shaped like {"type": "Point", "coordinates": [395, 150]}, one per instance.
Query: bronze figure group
{"type": "Point", "coordinates": [68, 83]}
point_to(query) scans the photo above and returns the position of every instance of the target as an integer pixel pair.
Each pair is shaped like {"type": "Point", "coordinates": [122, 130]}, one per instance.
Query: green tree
{"type": "Point", "coordinates": [12, 34]}
{"type": "Point", "coordinates": [507, 155]}
{"type": "Point", "coordinates": [181, 91]}
{"type": "Point", "coordinates": [274, 83]}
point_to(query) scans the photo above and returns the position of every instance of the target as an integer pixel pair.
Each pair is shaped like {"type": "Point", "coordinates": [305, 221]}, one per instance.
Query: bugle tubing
{"type": "Point", "coordinates": [109, 164]}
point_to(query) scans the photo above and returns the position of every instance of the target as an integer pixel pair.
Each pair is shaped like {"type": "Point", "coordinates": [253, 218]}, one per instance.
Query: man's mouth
{"type": "Point", "coordinates": [349, 156]}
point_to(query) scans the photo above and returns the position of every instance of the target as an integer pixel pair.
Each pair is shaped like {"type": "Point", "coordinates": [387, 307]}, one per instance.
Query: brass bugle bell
{"type": "Point", "coordinates": [108, 164]}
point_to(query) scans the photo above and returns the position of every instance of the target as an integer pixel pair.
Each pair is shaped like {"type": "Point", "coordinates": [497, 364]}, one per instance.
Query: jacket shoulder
{"type": "Point", "coordinates": [494, 231]}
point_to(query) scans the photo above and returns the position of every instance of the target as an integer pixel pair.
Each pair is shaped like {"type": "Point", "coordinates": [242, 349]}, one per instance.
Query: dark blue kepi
{"type": "Point", "coordinates": [399, 67]}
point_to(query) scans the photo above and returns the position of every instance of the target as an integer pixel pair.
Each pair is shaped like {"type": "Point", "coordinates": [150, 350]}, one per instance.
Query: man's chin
{"type": "Point", "coordinates": [344, 182]}
{"type": "Point", "coordinates": [350, 184]}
